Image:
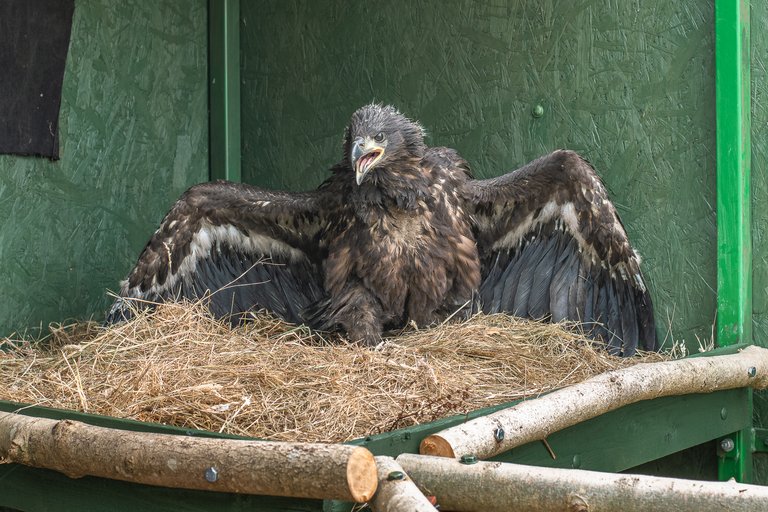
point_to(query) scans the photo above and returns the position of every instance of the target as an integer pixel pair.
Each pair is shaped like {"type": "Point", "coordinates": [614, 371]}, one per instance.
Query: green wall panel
{"type": "Point", "coordinates": [134, 135]}
{"type": "Point", "coordinates": [628, 84]}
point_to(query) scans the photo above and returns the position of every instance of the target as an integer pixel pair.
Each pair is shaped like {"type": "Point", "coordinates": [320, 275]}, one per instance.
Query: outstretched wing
{"type": "Point", "coordinates": [238, 247]}
{"type": "Point", "coordinates": [552, 246]}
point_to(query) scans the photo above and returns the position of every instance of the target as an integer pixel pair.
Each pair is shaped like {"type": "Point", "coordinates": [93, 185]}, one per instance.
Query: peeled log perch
{"type": "Point", "coordinates": [301, 470]}
{"type": "Point", "coordinates": [497, 486]}
{"type": "Point", "coordinates": [397, 491]}
{"type": "Point", "coordinates": [535, 419]}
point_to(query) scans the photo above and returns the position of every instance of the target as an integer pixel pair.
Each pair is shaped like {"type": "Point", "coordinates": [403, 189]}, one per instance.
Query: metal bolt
{"type": "Point", "coordinates": [396, 475]}
{"type": "Point", "coordinates": [723, 413]}
{"type": "Point", "coordinates": [576, 463]}
{"type": "Point", "coordinates": [537, 111]}
{"type": "Point", "coordinates": [211, 474]}
{"type": "Point", "coordinates": [727, 445]}
{"type": "Point", "coordinates": [468, 459]}
{"type": "Point", "coordinates": [498, 434]}
{"type": "Point", "coordinates": [752, 371]}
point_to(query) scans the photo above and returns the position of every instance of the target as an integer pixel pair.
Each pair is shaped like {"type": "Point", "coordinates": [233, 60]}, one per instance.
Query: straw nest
{"type": "Point", "coordinates": [272, 380]}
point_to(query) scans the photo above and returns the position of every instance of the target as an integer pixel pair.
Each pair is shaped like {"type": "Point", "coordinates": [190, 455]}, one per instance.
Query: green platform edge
{"type": "Point", "coordinates": [734, 231]}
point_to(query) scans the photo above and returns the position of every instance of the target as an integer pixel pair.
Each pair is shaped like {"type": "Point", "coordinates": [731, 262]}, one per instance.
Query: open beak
{"type": "Point", "coordinates": [366, 153]}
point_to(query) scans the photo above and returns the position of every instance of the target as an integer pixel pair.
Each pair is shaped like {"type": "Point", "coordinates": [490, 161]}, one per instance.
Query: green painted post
{"type": "Point", "coordinates": [734, 243]}
{"type": "Point", "coordinates": [224, 88]}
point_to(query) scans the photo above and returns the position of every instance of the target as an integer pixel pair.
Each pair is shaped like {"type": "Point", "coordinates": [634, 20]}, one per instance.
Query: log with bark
{"type": "Point", "coordinates": [497, 486]}
{"type": "Point", "coordinates": [535, 419]}
{"type": "Point", "coordinates": [301, 470]}
{"type": "Point", "coordinates": [396, 491]}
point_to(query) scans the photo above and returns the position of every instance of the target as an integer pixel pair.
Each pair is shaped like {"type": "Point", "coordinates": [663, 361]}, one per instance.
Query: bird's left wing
{"type": "Point", "coordinates": [238, 247]}
{"type": "Point", "coordinates": [552, 246]}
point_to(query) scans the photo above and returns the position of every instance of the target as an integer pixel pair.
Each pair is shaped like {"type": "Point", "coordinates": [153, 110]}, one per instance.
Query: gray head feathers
{"type": "Point", "coordinates": [404, 135]}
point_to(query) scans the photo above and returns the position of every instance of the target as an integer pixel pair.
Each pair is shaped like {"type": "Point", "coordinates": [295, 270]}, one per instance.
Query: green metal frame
{"type": "Point", "coordinates": [224, 88]}
{"type": "Point", "coordinates": [734, 242]}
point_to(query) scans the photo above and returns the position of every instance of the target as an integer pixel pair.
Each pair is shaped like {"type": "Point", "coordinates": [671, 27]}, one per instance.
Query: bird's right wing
{"type": "Point", "coordinates": [552, 246]}
{"type": "Point", "coordinates": [238, 247]}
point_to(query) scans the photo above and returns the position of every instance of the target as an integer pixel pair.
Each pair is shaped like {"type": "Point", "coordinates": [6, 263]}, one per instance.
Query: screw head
{"type": "Point", "coordinates": [752, 371]}
{"type": "Point", "coordinates": [576, 462]}
{"type": "Point", "coordinates": [498, 434]}
{"type": "Point", "coordinates": [723, 413]}
{"type": "Point", "coordinates": [211, 474]}
{"type": "Point", "coordinates": [537, 111]}
{"type": "Point", "coordinates": [396, 475]}
{"type": "Point", "coordinates": [468, 459]}
{"type": "Point", "coordinates": [727, 445]}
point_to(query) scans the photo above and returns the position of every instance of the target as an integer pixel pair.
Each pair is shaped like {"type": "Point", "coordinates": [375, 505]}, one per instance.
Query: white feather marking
{"type": "Point", "coordinates": [565, 217]}
{"type": "Point", "coordinates": [205, 239]}
{"type": "Point", "coordinates": [568, 214]}
{"type": "Point", "coordinates": [168, 252]}
{"type": "Point", "coordinates": [640, 283]}
{"type": "Point", "coordinates": [547, 213]}
{"type": "Point", "coordinates": [515, 236]}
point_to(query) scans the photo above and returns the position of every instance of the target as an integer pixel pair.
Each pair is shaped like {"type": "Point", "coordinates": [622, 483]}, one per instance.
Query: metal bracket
{"type": "Point", "coordinates": [735, 456]}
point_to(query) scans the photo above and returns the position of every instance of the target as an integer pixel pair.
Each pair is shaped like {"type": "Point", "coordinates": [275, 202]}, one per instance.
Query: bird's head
{"type": "Point", "coordinates": [378, 136]}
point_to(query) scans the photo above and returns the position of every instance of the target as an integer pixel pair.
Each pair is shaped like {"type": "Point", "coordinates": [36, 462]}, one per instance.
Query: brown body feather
{"type": "Point", "coordinates": [396, 260]}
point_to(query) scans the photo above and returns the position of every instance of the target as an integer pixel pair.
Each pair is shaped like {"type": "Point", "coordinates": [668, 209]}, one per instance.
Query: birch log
{"type": "Point", "coordinates": [396, 491]}
{"type": "Point", "coordinates": [301, 470]}
{"type": "Point", "coordinates": [497, 486]}
{"type": "Point", "coordinates": [535, 419]}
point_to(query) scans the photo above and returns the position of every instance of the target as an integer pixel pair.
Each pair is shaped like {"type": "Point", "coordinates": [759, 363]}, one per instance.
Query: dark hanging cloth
{"type": "Point", "coordinates": [34, 38]}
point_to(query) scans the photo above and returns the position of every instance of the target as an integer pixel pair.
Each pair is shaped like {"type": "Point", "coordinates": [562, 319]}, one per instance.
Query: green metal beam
{"type": "Point", "coordinates": [613, 442]}
{"type": "Point", "coordinates": [734, 243]}
{"type": "Point", "coordinates": [224, 88]}
{"type": "Point", "coordinates": [735, 455]}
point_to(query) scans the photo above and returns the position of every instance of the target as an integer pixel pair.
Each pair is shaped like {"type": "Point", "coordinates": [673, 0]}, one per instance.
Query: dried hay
{"type": "Point", "coordinates": [272, 380]}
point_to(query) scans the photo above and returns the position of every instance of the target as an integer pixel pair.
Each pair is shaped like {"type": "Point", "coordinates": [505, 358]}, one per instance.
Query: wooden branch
{"type": "Point", "coordinates": [497, 486]}
{"type": "Point", "coordinates": [302, 470]}
{"type": "Point", "coordinates": [535, 419]}
{"type": "Point", "coordinates": [396, 491]}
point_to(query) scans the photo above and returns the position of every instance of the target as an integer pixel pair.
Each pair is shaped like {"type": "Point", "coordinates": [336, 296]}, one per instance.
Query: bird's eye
{"type": "Point", "coordinates": [379, 137]}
